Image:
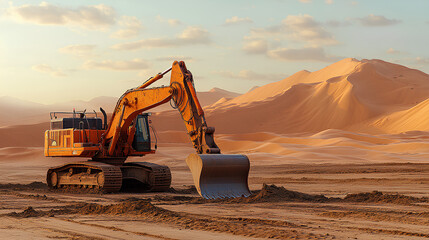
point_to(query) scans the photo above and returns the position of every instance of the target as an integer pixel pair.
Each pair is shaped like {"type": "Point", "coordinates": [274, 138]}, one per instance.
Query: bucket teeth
{"type": "Point", "coordinates": [228, 191]}
{"type": "Point", "coordinates": [220, 176]}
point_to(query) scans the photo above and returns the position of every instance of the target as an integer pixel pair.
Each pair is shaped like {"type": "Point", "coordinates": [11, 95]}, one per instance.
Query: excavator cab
{"type": "Point", "coordinates": [141, 142]}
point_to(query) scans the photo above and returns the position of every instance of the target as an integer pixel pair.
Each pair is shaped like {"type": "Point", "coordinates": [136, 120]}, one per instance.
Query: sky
{"type": "Point", "coordinates": [57, 51]}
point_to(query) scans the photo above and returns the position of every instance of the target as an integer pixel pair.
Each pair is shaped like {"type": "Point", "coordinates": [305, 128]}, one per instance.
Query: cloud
{"type": "Point", "coordinates": [251, 75]}
{"type": "Point", "coordinates": [131, 27]}
{"type": "Point", "coordinates": [255, 46]}
{"type": "Point", "coordinates": [302, 54]}
{"type": "Point", "coordinates": [236, 20]}
{"type": "Point", "coordinates": [422, 60]}
{"type": "Point", "coordinates": [91, 17]}
{"type": "Point", "coordinates": [78, 50]}
{"type": "Point", "coordinates": [131, 65]}
{"type": "Point", "coordinates": [171, 22]}
{"type": "Point", "coordinates": [298, 28]}
{"type": "Point", "coordinates": [45, 68]}
{"type": "Point", "coordinates": [336, 23]}
{"type": "Point", "coordinates": [375, 21]}
{"type": "Point", "coordinates": [392, 51]}
{"type": "Point", "coordinates": [174, 58]}
{"type": "Point", "coordinates": [308, 37]}
{"type": "Point", "coordinates": [190, 36]}
{"type": "Point", "coordinates": [305, 28]}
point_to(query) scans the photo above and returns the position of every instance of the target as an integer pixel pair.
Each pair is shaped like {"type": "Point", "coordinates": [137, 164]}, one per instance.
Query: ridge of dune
{"type": "Point", "coordinates": [273, 89]}
{"type": "Point", "coordinates": [223, 91]}
{"type": "Point", "coordinates": [267, 91]}
{"type": "Point", "coordinates": [389, 87]}
{"type": "Point", "coordinates": [253, 88]}
{"type": "Point", "coordinates": [214, 95]}
{"type": "Point", "coordinates": [413, 119]}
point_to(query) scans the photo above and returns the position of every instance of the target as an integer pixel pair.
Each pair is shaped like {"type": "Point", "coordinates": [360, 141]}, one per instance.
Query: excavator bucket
{"type": "Point", "coordinates": [220, 176]}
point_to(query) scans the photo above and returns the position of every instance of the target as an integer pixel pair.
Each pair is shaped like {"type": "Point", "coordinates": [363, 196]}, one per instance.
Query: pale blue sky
{"type": "Point", "coordinates": [56, 51]}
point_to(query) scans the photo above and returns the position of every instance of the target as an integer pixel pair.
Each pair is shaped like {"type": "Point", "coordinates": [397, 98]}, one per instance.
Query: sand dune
{"type": "Point", "coordinates": [349, 94]}
{"type": "Point", "coordinates": [273, 89]}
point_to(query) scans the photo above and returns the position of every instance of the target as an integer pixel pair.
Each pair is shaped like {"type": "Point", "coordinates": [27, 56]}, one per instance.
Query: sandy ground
{"type": "Point", "coordinates": [332, 163]}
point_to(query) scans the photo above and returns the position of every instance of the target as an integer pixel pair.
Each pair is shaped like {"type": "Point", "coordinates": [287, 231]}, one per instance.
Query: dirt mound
{"type": "Point", "coordinates": [134, 207]}
{"type": "Point", "coordinates": [187, 190]}
{"type": "Point", "coordinates": [28, 212]}
{"type": "Point", "coordinates": [31, 212]}
{"type": "Point", "coordinates": [18, 186]}
{"type": "Point", "coordinates": [273, 193]}
{"type": "Point", "coordinates": [379, 197]}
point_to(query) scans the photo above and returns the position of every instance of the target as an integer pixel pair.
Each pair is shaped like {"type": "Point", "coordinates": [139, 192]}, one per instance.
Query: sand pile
{"type": "Point", "coordinates": [28, 212]}
{"type": "Point", "coordinates": [135, 207]}
{"type": "Point", "coordinates": [187, 190]}
{"type": "Point", "coordinates": [31, 212]}
{"type": "Point", "coordinates": [379, 197]}
{"type": "Point", "coordinates": [30, 186]}
{"type": "Point", "coordinates": [273, 193]}
{"type": "Point", "coordinates": [130, 206]}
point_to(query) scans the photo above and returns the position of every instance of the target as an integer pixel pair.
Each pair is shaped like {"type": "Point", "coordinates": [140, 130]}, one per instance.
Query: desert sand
{"type": "Point", "coordinates": [340, 153]}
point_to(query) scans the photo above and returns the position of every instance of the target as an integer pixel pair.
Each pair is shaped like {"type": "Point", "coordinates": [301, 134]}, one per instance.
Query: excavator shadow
{"type": "Point", "coordinates": [140, 177]}
{"type": "Point", "coordinates": [135, 186]}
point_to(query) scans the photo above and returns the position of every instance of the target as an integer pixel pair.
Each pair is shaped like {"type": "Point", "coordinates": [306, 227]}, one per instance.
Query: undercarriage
{"type": "Point", "coordinates": [103, 177]}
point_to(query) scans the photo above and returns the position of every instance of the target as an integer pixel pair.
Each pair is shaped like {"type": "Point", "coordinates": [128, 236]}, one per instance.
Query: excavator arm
{"type": "Point", "coordinates": [118, 136]}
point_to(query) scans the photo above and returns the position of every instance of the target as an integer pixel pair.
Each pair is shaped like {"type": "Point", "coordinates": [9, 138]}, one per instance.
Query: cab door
{"type": "Point", "coordinates": [141, 142]}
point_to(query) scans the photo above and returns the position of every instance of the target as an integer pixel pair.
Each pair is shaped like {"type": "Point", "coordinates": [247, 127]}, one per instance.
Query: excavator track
{"type": "Point", "coordinates": [152, 177]}
{"type": "Point", "coordinates": [100, 177]}
{"type": "Point", "coordinates": [91, 176]}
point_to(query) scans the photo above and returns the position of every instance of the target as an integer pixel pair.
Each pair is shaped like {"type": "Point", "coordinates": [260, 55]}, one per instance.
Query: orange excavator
{"type": "Point", "coordinates": [127, 134]}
